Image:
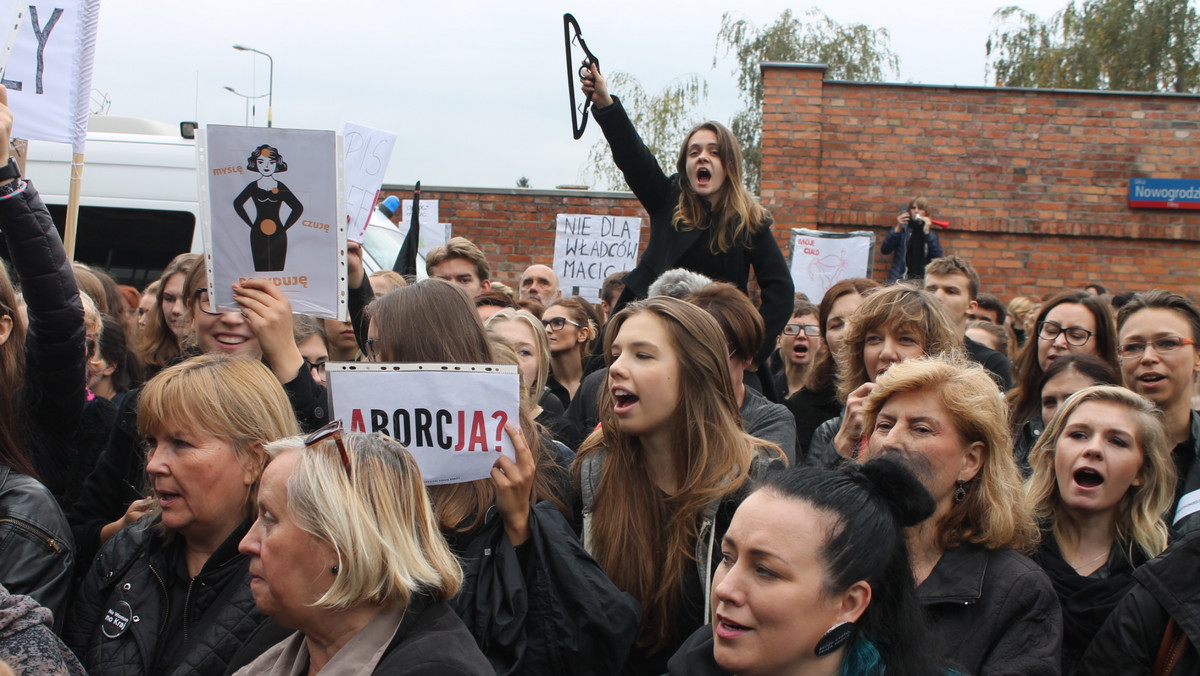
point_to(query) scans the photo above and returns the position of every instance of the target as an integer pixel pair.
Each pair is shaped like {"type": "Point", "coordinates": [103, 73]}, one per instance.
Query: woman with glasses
{"type": "Point", "coordinates": [172, 595]}
{"type": "Point", "coordinates": [346, 551]}
{"type": "Point", "coordinates": [1073, 322]}
{"type": "Point", "coordinates": [570, 329]}
{"type": "Point", "coordinates": [799, 345]}
{"type": "Point", "coordinates": [1159, 360]}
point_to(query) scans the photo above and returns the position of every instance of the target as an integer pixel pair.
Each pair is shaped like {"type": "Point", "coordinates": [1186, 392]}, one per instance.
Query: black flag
{"type": "Point", "coordinates": [406, 262]}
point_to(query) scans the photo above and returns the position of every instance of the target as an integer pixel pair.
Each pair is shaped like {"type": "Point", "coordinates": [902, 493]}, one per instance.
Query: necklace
{"type": "Point", "coordinates": [1090, 561]}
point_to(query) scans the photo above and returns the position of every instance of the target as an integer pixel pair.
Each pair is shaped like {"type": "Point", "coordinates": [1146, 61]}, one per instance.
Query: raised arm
{"type": "Point", "coordinates": [642, 172]}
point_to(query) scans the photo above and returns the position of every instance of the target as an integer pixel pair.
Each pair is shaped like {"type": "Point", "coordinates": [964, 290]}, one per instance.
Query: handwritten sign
{"type": "Point", "coordinates": [49, 75]}
{"type": "Point", "coordinates": [449, 416]}
{"type": "Point", "coordinates": [367, 153]}
{"type": "Point", "coordinates": [589, 247]}
{"type": "Point", "coordinates": [272, 206]}
{"type": "Point", "coordinates": [433, 234]}
{"type": "Point", "coordinates": [822, 259]}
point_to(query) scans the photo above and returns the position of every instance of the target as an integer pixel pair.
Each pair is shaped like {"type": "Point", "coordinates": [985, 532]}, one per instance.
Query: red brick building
{"type": "Point", "coordinates": [1034, 182]}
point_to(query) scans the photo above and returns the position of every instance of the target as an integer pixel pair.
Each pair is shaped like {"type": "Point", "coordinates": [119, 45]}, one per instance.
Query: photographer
{"type": "Point", "coordinates": [914, 241]}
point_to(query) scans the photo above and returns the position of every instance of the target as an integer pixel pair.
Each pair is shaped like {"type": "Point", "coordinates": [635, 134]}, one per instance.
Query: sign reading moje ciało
{"type": "Point", "coordinates": [449, 416]}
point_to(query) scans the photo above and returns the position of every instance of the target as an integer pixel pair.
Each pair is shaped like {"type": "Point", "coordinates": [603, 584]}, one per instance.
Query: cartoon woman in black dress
{"type": "Point", "coordinates": [268, 237]}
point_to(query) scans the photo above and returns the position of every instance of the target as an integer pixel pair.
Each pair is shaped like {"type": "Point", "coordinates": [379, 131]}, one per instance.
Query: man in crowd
{"type": "Point", "coordinates": [539, 283]}
{"type": "Point", "coordinates": [461, 262]}
{"type": "Point", "coordinates": [955, 283]}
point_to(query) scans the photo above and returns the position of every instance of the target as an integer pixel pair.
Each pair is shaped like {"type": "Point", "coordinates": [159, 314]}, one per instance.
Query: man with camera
{"type": "Point", "coordinates": [914, 241]}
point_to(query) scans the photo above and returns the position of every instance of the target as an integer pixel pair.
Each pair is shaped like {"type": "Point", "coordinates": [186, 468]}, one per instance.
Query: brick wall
{"type": "Point", "coordinates": [1034, 182]}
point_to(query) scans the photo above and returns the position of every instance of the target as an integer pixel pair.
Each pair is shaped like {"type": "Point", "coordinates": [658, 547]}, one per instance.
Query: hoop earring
{"type": "Point", "coordinates": [960, 492]}
{"type": "Point", "coordinates": [835, 638]}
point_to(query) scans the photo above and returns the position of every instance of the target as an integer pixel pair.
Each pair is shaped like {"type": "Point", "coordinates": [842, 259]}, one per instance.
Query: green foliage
{"type": "Point", "coordinates": [662, 120]}
{"type": "Point", "coordinates": [853, 52]}
{"type": "Point", "coordinates": [523, 182]}
{"type": "Point", "coordinates": [1120, 45]}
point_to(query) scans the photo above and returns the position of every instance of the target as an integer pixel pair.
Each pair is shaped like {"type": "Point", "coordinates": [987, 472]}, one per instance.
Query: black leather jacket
{"type": "Point", "coordinates": [130, 579]}
{"type": "Point", "coordinates": [35, 543]}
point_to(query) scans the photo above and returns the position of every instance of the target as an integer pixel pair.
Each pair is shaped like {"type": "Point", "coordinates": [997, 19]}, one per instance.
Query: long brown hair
{"type": "Point", "coordinates": [157, 345]}
{"type": "Point", "coordinates": [822, 372]}
{"type": "Point", "coordinates": [739, 216]}
{"type": "Point", "coordinates": [12, 376]}
{"type": "Point", "coordinates": [643, 540]}
{"type": "Point", "coordinates": [1025, 400]}
{"type": "Point", "coordinates": [435, 321]}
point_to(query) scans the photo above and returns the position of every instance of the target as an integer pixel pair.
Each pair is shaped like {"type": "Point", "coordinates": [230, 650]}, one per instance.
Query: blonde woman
{"type": "Point", "coordinates": [992, 610]}
{"type": "Point", "coordinates": [1102, 479]}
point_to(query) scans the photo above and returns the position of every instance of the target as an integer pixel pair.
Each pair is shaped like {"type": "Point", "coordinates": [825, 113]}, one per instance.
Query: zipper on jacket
{"type": "Point", "coordinates": [187, 603]}
{"type": "Point", "coordinates": [45, 536]}
{"type": "Point", "coordinates": [162, 587]}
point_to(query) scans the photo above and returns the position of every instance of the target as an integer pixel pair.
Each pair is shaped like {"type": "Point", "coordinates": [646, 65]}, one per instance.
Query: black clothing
{"type": "Point", "coordinates": [36, 553]}
{"type": "Point", "coordinates": [810, 409]}
{"type": "Point", "coordinates": [671, 248]}
{"type": "Point", "coordinates": [268, 232]}
{"type": "Point", "coordinates": [1187, 490]}
{"type": "Point", "coordinates": [993, 611]}
{"type": "Point", "coordinates": [134, 576]}
{"type": "Point", "coordinates": [1166, 588]}
{"type": "Point", "coordinates": [558, 390]}
{"type": "Point", "coordinates": [49, 406]}
{"type": "Point", "coordinates": [995, 362]}
{"type": "Point", "coordinates": [584, 411]}
{"type": "Point", "coordinates": [1086, 601]}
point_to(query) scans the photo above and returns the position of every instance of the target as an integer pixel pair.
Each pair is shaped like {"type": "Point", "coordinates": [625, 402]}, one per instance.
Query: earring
{"type": "Point", "coordinates": [960, 492]}
{"type": "Point", "coordinates": [334, 570]}
{"type": "Point", "coordinates": [835, 638]}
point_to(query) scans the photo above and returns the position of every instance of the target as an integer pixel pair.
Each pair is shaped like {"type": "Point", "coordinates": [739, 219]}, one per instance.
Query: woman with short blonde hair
{"type": "Point", "coordinates": [991, 608]}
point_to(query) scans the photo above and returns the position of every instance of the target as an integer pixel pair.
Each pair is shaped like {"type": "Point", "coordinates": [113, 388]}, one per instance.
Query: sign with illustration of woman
{"type": "Point", "coordinates": [297, 229]}
{"type": "Point", "coordinates": [268, 237]}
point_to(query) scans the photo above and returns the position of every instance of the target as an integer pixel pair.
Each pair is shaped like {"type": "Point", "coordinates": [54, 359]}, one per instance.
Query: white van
{"type": "Point", "coordinates": [138, 206]}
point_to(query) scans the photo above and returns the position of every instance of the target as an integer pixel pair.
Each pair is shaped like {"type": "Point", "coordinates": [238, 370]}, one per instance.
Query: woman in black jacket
{"type": "Point", "coordinates": [702, 218]}
{"type": "Point", "coordinates": [171, 594]}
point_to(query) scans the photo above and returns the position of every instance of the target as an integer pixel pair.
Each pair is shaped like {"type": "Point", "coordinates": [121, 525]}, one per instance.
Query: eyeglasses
{"type": "Point", "coordinates": [317, 368]}
{"type": "Point", "coordinates": [797, 329]}
{"type": "Point", "coordinates": [331, 431]}
{"type": "Point", "coordinates": [1164, 345]}
{"type": "Point", "coordinates": [558, 323]}
{"type": "Point", "coordinates": [205, 304]}
{"type": "Point", "coordinates": [1077, 336]}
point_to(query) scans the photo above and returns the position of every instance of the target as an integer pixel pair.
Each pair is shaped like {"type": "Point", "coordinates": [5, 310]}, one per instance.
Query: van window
{"type": "Point", "coordinates": [132, 245]}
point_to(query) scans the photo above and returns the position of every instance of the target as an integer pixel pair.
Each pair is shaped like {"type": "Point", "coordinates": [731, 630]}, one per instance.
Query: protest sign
{"type": "Point", "coordinates": [367, 153]}
{"type": "Point", "coordinates": [822, 259]}
{"type": "Point", "coordinates": [49, 75]}
{"type": "Point", "coordinates": [432, 233]}
{"type": "Point", "coordinates": [272, 206]}
{"type": "Point", "coordinates": [590, 247]}
{"type": "Point", "coordinates": [449, 416]}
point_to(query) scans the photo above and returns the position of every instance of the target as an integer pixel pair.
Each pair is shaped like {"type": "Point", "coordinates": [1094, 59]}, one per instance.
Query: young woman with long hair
{"type": "Point", "coordinates": [702, 217]}
{"type": "Point", "coordinates": [1102, 479]}
{"type": "Point", "coordinates": [660, 479]}
{"type": "Point", "coordinates": [1073, 322]}
{"type": "Point", "coordinates": [161, 340]}
{"type": "Point", "coordinates": [570, 329]}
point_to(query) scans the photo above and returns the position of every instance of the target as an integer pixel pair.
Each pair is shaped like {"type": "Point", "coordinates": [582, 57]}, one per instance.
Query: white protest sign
{"type": "Point", "coordinates": [429, 213]}
{"type": "Point", "coordinates": [367, 153]}
{"type": "Point", "coordinates": [822, 259]}
{"type": "Point", "coordinates": [433, 234]}
{"type": "Point", "coordinates": [590, 247]}
{"type": "Point", "coordinates": [49, 76]}
{"type": "Point", "coordinates": [272, 206]}
{"type": "Point", "coordinates": [449, 416]}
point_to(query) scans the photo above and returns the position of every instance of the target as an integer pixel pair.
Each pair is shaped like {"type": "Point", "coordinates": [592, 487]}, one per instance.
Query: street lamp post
{"type": "Point", "coordinates": [248, 98]}
{"type": "Point", "coordinates": [270, 80]}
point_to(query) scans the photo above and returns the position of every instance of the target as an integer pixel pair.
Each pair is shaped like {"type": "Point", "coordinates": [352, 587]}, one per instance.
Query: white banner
{"type": "Point", "coordinates": [449, 416]}
{"type": "Point", "coordinates": [49, 75]}
{"type": "Point", "coordinates": [367, 153]}
{"type": "Point", "coordinates": [271, 206]}
{"type": "Point", "coordinates": [822, 259]}
{"type": "Point", "coordinates": [590, 247]}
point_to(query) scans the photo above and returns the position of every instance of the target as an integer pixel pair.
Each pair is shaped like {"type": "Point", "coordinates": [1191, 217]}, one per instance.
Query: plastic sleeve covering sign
{"type": "Point", "coordinates": [49, 75]}
{"type": "Point", "coordinates": [822, 259]}
{"type": "Point", "coordinates": [433, 234]}
{"type": "Point", "coordinates": [449, 416]}
{"type": "Point", "coordinates": [367, 153]}
{"type": "Point", "coordinates": [589, 247]}
{"type": "Point", "coordinates": [272, 206]}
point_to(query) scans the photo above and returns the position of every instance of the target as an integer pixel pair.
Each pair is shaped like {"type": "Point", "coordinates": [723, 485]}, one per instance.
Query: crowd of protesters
{"type": "Point", "coordinates": [911, 478]}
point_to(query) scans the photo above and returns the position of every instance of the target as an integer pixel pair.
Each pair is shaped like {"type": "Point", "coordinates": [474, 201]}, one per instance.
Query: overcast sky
{"type": "Point", "coordinates": [475, 90]}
